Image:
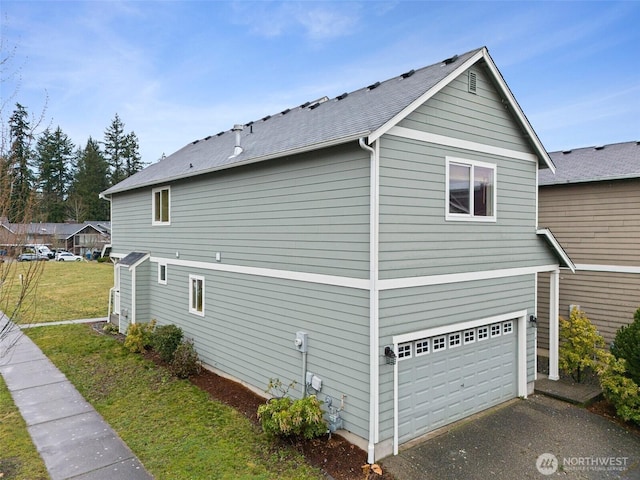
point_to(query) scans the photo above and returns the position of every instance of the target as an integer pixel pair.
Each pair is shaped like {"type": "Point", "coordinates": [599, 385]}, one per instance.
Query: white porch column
{"type": "Point", "coordinates": [554, 302]}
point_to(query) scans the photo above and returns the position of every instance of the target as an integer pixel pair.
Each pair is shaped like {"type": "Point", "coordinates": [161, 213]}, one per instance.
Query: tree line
{"type": "Point", "coordinates": [47, 178]}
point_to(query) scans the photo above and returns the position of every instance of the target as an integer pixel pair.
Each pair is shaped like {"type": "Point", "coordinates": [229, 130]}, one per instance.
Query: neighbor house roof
{"type": "Point", "coordinates": [58, 230]}
{"type": "Point", "coordinates": [367, 112]}
{"type": "Point", "coordinates": [594, 164]}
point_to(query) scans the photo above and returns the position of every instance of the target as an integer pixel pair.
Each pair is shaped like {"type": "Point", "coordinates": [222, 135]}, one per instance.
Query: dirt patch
{"type": "Point", "coordinates": [605, 409]}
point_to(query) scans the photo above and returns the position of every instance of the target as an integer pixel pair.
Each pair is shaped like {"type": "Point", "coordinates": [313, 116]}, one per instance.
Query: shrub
{"type": "Point", "coordinates": [139, 336]}
{"type": "Point", "coordinates": [165, 340]}
{"type": "Point", "coordinates": [111, 328]}
{"type": "Point", "coordinates": [185, 360]}
{"type": "Point", "coordinates": [580, 345]}
{"type": "Point", "coordinates": [627, 345]}
{"type": "Point", "coordinates": [619, 389]}
{"type": "Point", "coordinates": [284, 417]}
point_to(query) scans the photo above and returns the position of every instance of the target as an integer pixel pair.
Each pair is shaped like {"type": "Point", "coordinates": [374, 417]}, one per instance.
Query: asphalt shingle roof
{"type": "Point", "coordinates": [593, 164]}
{"type": "Point", "coordinates": [357, 114]}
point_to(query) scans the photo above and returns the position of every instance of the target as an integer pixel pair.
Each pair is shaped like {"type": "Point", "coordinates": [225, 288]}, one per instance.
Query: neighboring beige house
{"type": "Point", "coordinates": [592, 206]}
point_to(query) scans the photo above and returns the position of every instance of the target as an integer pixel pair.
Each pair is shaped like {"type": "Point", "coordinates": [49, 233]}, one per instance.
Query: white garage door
{"type": "Point", "coordinates": [444, 378]}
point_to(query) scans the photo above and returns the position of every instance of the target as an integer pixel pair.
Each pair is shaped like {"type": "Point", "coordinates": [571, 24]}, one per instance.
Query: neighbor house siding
{"type": "Point", "coordinates": [597, 223]}
{"type": "Point", "coordinates": [414, 309]}
{"type": "Point", "coordinates": [306, 214]}
{"type": "Point", "coordinates": [250, 324]}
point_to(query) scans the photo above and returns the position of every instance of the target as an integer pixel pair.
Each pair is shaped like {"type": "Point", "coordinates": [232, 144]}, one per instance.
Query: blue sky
{"type": "Point", "coordinates": [179, 71]}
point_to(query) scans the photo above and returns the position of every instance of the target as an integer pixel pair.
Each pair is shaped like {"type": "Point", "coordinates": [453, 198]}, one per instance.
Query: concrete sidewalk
{"type": "Point", "coordinates": [72, 438]}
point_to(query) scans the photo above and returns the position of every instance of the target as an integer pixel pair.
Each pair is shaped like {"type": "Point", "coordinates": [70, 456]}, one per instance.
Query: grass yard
{"type": "Point", "coordinates": [66, 291]}
{"type": "Point", "coordinates": [173, 427]}
{"type": "Point", "coordinates": [19, 459]}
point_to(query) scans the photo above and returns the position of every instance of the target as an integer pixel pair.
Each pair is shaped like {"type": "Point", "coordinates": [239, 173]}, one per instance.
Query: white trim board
{"type": "Point", "coordinates": [458, 143]}
{"type": "Point", "coordinates": [590, 267]}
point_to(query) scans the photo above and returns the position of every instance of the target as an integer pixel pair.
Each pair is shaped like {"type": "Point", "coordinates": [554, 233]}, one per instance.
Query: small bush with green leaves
{"type": "Point", "coordinates": [185, 361]}
{"type": "Point", "coordinates": [284, 417]}
{"type": "Point", "coordinates": [619, 389]}
{"type": "Point", "coordinates": [139, 336]}
{"type": "Point", "coordinates": [627, 345]}
{"type": "Point", "coordinates": [581, 346]}
{"type": "Point", "coordinates": [111, 328]}
{"type": "Point", "coordinates": [165, 340]}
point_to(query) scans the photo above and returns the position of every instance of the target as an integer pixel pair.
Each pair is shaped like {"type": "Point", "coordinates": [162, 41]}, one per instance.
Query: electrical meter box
{"type": "Point", "coordinates": [301, 342]}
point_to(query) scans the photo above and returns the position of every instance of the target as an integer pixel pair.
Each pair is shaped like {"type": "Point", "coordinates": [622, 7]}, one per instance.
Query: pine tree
{"type": "Point", "coordinates": [115, 144]}
{"type": "Point", "coordinates": [18, 171]}
{"type": "Point", "coordinates": [54, 154]}
{"type": "Point", "coordinates": [133, 160]}
{"type": "Point", "coordinates": [91, 178]}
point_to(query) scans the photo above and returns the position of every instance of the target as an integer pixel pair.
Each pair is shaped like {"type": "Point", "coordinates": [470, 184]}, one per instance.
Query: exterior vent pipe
{"type": "Point", "coordinates": [237, 150]}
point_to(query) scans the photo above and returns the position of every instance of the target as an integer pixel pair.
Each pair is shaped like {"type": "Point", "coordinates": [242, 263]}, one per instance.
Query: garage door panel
{"type": "Point", "coordinates": [458, 379]}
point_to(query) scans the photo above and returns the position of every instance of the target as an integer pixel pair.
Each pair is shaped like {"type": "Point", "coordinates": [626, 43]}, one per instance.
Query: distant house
{"type": "Point", "coordinates": [379, 247]}
{"type": "Point", "coordinates": [78, 238]}
{"type": "Point", "coordinates": [592, 205]}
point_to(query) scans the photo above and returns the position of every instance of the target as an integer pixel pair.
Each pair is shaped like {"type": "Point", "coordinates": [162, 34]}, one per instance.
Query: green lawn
{"type": "Point", "coordinates": [64, 291]}
{"type": "Point", "coordinates": [175, 429]}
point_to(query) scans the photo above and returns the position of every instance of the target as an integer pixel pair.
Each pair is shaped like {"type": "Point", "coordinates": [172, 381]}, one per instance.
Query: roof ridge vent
{"type": "Point", "coordinates": [343, 96]}
{"type": "Point", "coordinates": [373, 86]}
{"type": "Point", "coordinates": [599, 147]}
{"type": "Point", "coordinates": [450, 60]}
{"type": "Point", "coordinates": [565, 152]}
{"type": "Point", "coordinates": [408, 74]}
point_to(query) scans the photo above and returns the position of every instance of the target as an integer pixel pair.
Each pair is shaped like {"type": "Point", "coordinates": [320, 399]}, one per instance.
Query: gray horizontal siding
{"type": "Point", "coordinates": [608, 299]}
{"type": "Point", "coordinates": [250, 325]}
{"type": "Point", "coordinates": [415, 238]}
{"type": "Point", "coordinates": [309, 213]}
{"type": "Point", "coordinates": [480, 117]}
{"type": "Point", "coordinates": [414, 309]}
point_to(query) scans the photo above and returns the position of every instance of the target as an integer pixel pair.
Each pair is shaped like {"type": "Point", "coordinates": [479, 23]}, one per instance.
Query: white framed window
{"type": "Point", "coordinates": [483, 333]}
{"type": "Point", "coordinates": [422, 347]}
{"type": "Point", "coordinates": [507, 327]}
{"type": "Point", "coordinates": [196, 295]}
{"type": "Point", "coordinates": [162, 273]}
{"type": "Point", "coordinates": [161, 206]}
{"type": "Point", "coordinates": [439, 343]}
{"type": "Point", "coordinates": [471, 193]}
{"type": "Point", "coordinates": [404, 350]}
{"type": "Point", "coordinates": [469, 336]}
{"type": "Point", "coordinates": [495, 330]}
{"type": "Point", "coordinates": [455, 339]}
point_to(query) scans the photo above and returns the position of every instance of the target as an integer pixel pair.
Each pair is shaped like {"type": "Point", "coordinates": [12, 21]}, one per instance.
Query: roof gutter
{"type": "Point", "coordinates": [284, 153]}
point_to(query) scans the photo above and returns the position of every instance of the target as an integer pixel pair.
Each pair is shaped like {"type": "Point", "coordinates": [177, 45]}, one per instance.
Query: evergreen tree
{"type": "Point", "coordinates": [17, 169]}
{"type": "Point", "coordinates": [115, 146]}
{"type": "Point", "coordinates": [133, 160]}
{"type": "Point", "coordinates": [54, 154]}
{"type": "Point", "coordinates": [91, 178]}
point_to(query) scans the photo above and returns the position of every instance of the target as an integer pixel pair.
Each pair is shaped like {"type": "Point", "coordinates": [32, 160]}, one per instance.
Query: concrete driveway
{"type": "Point", "coordinates": [537, 438]}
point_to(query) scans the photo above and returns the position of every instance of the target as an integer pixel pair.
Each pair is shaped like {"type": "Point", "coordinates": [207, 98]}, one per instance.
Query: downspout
{"type": "Point", "coordinates": [373, 301]}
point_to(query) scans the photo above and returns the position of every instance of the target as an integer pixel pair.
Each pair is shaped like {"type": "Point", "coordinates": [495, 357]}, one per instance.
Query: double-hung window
{"type": "Point", "coordinates": [470, 190]}
{"type": "Point", "coordinates": [161, 206]}
{"type": "Point", "coordinates": [196, 295]}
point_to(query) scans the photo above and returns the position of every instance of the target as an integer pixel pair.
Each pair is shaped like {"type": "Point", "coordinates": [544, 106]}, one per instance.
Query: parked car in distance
{"type": "Point", "coordinates": [30, 257]}
{"type": "Point", "coordinates": [68, 257]}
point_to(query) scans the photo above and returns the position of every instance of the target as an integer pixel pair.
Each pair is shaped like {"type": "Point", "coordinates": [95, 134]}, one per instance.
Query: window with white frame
{"type": "Point", "coordinates": [422, 346]}
{"type": "Point", "coordinates": [162, 273]}
{"type": "Point", "coordinates": [439, 343]}
{"type": "Point", "coordinates": [161, 201]}
{"type": "Point", "coordinates": [470, 190]}
{"type": "Point", "coordinates": [495, 330]}
{"type": "Point", "coordinates": [404, 350]}
{"type": "Point", "coordinates": [483, 333]}
{"type": "Point", "coordinates": [507, 327]}
{"type": "Point", "coordinates": [469, 336]}
{"type": "Point", "coordinates": [196, 295]}
{"type": "Point", "coordinates": [455, 340]}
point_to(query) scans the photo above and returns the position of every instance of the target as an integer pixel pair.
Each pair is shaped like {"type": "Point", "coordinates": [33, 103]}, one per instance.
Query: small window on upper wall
{"type": "Point", "coordinates": [161, 206]}
{"type": "Point", "coordinates": [470, 190]}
